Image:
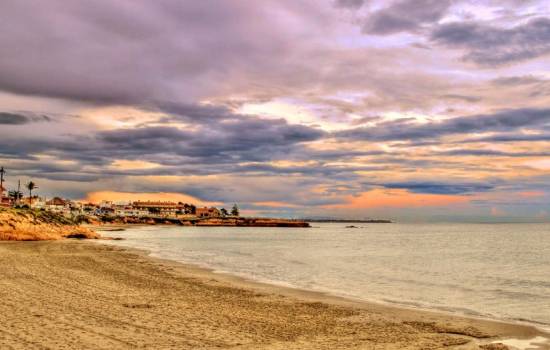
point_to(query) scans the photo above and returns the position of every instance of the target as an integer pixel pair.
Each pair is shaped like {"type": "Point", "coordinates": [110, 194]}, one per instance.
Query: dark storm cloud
{"type": "Point", "coordinates": [332, 155]}
{"type": "Point", "coordinates": [340, 172]}
{"type": "Point", "coordinates": [195, 113]}
{"type": "Point", "coordinates": [353, 4]}
{"type": "Point", "coordinates": [236, 140]}
{"type": "Point", "coordinates": [510, 138]}
{"type": "Point", "coordinates": [217, 136]}
{"type": "Point", "coordinates": [13, 119]}
{"type": "Point", "coordinates": [464, 98]}
{"type": "Point", "coordinates": [141, 51]}
{"type": "Point", "coordinates": [517, 80]}
{"type": "Point", "coordinates": [7, 118]}
{"type": "Point", "coordinates": [451, 188]}
{"type": "Point", "coordinates": [508, 120]}
{"type": "Point", "coordinates": [491, 46]}
{"type": "Point", "coordinates": [491, 153]}
{"type": "Point", "coordinates": [405, 15]}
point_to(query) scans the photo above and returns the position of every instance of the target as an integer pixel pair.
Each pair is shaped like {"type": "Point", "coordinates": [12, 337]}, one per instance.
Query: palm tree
{"type": "Point", "coordinates": [2, 173]}
{"type": "Point", "coordinates": [30, 186]}
{"type": "Point", "coordinates": [15, 195]}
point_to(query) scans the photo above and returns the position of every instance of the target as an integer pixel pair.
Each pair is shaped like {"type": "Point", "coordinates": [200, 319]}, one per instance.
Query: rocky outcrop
{"type": "Point", "coordinates": [226, 221]}
{"type": "Point", "coordinates": [494, 346]}
{"type": "Point", "coordinates": [34, 225]}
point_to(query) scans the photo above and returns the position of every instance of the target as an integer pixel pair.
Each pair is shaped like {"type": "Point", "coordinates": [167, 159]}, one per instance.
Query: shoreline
{"type": "Point", "coordinates": [329, 297]}
{"type": "Point", "coordinates": [288, 289]}
{"type": "Point", "coordinates": [89, 295]}
{"type": "Point", "coordinates": [250, 282]}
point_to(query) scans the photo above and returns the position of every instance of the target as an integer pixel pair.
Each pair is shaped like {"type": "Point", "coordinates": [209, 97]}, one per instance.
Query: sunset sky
{"type": "Point", "coordinates": [423, 110]}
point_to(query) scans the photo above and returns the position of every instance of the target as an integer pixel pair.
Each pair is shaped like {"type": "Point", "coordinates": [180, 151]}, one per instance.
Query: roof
{"type": "Point", "coordinates": [212, 209]}
{"type": "Point", "coordinates": [156, 204]}
{"type": "Point", "coordinates": [57, 201]}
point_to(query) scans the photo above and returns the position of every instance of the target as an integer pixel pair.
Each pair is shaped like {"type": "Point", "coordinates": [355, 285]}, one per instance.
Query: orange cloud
{"type": "Point", "coordinates": [276, 204]}
{"type": "Point", "coordinates": [531, 194]}
{"type": "Point", "coordinates": [96, 197]}
{"type": "Point", "coordinates": [400, 198]}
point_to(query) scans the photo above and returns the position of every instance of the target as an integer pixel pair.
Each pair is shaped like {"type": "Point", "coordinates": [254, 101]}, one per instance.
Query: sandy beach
{"type": "Point", "coordinates": [81, 295]}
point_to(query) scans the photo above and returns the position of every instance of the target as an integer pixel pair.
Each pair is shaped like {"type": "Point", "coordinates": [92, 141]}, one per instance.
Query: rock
{"type": "Point", "coordinates": [494, 346]}
{"type": "Point", "coordinates": [36, 225]}
{"type": "Point", "coordinates": [77, 236]}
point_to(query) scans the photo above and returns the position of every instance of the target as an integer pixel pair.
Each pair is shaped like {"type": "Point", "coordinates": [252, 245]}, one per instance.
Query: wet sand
{"type": "Point", "coordinates": [82, 295]}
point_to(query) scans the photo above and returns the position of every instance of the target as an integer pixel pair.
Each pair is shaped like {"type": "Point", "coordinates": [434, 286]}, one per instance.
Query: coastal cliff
{"type": "Point", "coordinates": [34, 225]}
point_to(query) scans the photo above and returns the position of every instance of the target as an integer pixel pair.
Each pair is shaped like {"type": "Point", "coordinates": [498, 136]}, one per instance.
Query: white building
{"type": "Point", "coordinates": [127, 211]}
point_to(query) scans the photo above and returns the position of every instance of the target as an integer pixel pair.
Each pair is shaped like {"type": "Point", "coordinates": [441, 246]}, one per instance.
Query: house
{"type": "Point", "coordinates": [57, 205]}
{"type": "Point", "coordinates": [207, 212]}
{"type": "Point", "coordinates": [106, 205]}
{"type": "Point", "coordinates": [159, 208]}
{"type": "Point", "coordinates": [57, 202]}
{"type": "Point", "coordinates": [129, 211]}
{"type": "Point", "coordinates": [4, 201]}
{"type": "Point", "coordinates": [37, 202]}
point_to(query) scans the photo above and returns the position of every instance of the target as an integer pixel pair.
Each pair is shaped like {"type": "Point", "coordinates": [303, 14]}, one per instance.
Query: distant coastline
{"type": "Point", "coordinates": [347, 221]}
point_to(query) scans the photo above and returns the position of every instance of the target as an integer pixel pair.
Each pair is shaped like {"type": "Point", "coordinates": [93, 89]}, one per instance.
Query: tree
{"type": "Point", "coordinates": [190, 209]}
{"type": "Point", "coordinates": [235, 210]}
{"type": "Point", "coordinates": [30, 186]}
{"type": "Point", "coordinates": [224, 212]}
{"type": "Point", "coordinates": [16, 196]}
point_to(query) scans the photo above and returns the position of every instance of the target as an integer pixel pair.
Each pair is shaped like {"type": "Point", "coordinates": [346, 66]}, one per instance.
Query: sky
{"type": "Point", "coordinates": [412, 110]}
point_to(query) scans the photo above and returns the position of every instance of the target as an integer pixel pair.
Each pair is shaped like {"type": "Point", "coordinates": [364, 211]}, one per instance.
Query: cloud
{"type": "Point", "coordinates": [507, 137]}
{"type": "Point", "coordinates": [366, 120]}
{"type": "Point", "coordinates": [20, 119]}
{"type": "Point", "coordinates": [218, 141]}
{"type": "Point", "coordinates": [13, 119]}
{"type": "Point", "coordinates": [148, 53]}
{"type": "Point", "coordinates": [399, 198]}
{"type": "Point", "coordinates": [433, 187]}
{"type": "Point", "coordinates": [234, 139]}
{"type": "Point", "coordinates": [464, 98]}
{"type": "Point", "coordinates": [140, 52]}
{"type": "Point", "coordinates": [507, 120]}
{"type": "Point", "coordinates": [488, 45]}
{"type": "Point", "coordinates": [165, 97]}
{"type": "Point", "coordinates": [517, 80]}
{"type": "Point", "coordinates": [491, 153]}
{"type": "Point", "coordinates": [405, 15]}
{"type": "Point", "coordinates": [353, 4]}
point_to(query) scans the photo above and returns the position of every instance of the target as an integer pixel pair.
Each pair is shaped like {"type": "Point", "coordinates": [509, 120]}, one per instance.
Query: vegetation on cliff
{"type": "Point", "coordinates": [38, 225]}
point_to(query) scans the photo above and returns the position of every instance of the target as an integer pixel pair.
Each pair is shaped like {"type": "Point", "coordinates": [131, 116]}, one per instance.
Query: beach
{"type": "Point", "coordinates": [79, 295]}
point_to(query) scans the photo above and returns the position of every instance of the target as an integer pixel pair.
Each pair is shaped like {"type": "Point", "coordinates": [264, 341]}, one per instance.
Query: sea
{"type": "Point", "coordinates": [496, 271]}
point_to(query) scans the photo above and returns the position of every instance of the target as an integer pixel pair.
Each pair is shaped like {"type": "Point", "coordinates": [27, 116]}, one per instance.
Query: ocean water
{"type": "Point", "coordinates": [498, 271]}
